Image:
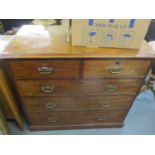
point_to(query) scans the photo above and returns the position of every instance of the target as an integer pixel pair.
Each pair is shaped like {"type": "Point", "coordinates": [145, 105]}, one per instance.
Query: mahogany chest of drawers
{"type": "Point", "coordinates": [65, 87]}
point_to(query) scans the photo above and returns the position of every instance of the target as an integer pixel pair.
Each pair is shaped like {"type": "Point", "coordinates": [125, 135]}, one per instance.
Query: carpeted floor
{"type": "Point", "coordinates": [139, 121]}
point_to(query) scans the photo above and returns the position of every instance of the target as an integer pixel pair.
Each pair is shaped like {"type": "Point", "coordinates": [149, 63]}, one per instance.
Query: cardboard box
{"type": "Point", "coordinates": [119, 33]}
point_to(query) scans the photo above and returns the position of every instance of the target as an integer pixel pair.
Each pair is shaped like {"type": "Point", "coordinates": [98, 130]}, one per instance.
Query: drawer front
{"type": "Point", "coordinates": [77, 103]}
{"type": "Point", "coordinates": [76, 118]}
{"type": "Point", "coordinates": [77, 87]}
{"type": "Point", "coordinates": [44, 69]}
{"type": "Point", "coordinates": [115, 68]}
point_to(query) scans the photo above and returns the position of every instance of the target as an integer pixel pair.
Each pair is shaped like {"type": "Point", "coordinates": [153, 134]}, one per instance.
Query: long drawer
{"type": "Point", "coordinates": [76, 118]}
{"type": "Point", "coordinates": [44, 69]}
{"type": "Point", "coordinates": [115, 68]}
{"type": "Point", "coordinates": [77, 103]}
{"type": "Point", "coordinates": [38, 88]}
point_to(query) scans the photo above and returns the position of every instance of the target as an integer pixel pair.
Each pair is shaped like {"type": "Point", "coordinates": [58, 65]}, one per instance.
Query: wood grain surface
{"type": "Point", "coordinates": [35, 41]}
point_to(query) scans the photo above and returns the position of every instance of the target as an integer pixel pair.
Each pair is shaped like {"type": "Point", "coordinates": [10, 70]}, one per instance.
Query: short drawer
{"type": "Point", "coordinates": [45, 69]}
{"type": "Point", "coordinates": [77, 103]}
{"type": "Point", "coordinates": [76, 118]}
{"type": "Point", "coordinates": [77, 87]}
{"type": "Point", "coordinates": [115, 68]}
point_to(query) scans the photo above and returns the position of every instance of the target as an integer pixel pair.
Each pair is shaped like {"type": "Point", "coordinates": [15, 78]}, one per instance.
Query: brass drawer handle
{"type": "Point", "coordinates": [52, 119]}
{"type": "Point", "coordinates": [47, 89]}
{"type": "Point", "coordinates": [105, 104]}
{"type": "Point", "coordinates": [45, 70]}
{"type": "Point", "coordinates": [110, 88]}
{"type": "Point", "coordinates": [115, 69]}
{"type": "Point", "coordinates": [50, 105]}
{"type": "Point", "coordinates": [100, 118]}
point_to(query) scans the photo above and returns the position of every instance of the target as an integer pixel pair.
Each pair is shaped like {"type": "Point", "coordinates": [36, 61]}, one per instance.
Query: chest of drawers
{"type": "Point", "coordinates": [73, 93]}
{"type": "Point", "coordinates": [65, 87]}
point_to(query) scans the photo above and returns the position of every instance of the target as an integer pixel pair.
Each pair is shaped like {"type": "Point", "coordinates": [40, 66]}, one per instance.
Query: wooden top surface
{"type": "Point", "coordinates": [38, 42]}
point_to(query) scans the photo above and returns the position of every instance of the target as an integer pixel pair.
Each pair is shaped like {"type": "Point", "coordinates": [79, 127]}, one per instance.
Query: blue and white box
{"type": "Point", "coordinates": [118, 33]}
